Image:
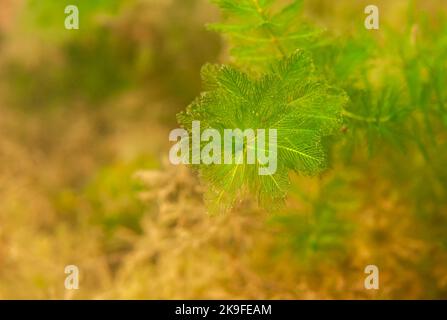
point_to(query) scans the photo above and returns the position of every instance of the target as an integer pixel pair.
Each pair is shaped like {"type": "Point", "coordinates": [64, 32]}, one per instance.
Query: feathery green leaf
{"type": "Point", "coordinates": [290, 98]}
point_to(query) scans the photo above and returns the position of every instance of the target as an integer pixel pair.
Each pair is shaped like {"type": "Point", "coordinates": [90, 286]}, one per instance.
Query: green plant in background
{"type": "Point", "coordinates": [47, 16]}
{"type": "Point", "coordinates": [120, 45]}
{"type": "Point", "coordinates": [111, 196]}
{"type": "Point", "coordinates": [260, 33]}
{"type": "Point", "coordinates": [393, 83]}
{"type": "Point", "coordinates": [318, 233]}
{"type": "Point", "coordinates": [110, 201]}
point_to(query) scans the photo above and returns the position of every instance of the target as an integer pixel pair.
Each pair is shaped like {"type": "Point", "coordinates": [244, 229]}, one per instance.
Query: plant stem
{"type": "Point", "coordinates": [272, 35]}
{"type": "Point", "coordinates": [354, 116]}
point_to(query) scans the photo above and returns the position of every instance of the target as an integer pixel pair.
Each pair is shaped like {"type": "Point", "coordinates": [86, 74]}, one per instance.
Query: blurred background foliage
{"type": "Point", "coordinates": [84, 121]}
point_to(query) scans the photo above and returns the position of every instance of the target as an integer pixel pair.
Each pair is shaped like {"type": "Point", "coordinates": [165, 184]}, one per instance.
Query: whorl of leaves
{"type": "Point", "coordinates": [259, 31]}
{"type": "Point", "coordinates": [291, 98]}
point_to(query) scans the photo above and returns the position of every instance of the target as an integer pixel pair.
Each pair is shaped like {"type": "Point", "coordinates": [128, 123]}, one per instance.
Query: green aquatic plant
{"type": "Point", "coordinates": [284, 93]}
{"type": "Point", "coordinates": [288, 75]}
{"type": "Point", "coordinates": [290, 98]}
